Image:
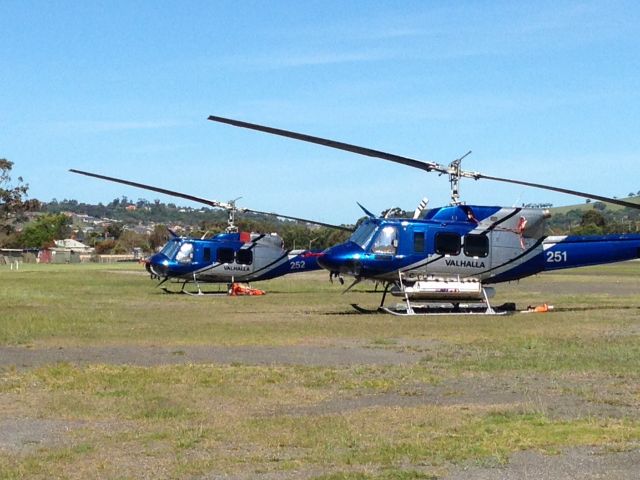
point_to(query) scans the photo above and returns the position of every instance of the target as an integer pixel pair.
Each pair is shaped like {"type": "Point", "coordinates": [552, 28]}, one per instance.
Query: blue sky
{"type": "Point", "coordinates": [541, 91]}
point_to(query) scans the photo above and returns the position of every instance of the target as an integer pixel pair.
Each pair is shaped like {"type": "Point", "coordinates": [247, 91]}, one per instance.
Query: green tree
{"type": "Point", "coordinates": [105, 246]}
{"type": "Point", "coordinates": [128, 240]}
{"type": "Point", "coordinates": [593, 217]}
{"type": "Point", "coordinates": [158, 237]}
{"type": "Point", "coordinates": [114, 230]}
{"type": "Point", "coordinates": [44, 230]}
{"type": "Point", "coordinates": [13, 202]}
{"type": "Point", "coordinates": [592, 223]}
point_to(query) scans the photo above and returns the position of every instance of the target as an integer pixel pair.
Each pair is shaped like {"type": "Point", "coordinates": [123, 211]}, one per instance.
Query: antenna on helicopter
{"type": "Point", "coordinates": [421, 206]}
{"type": "Point", "coordinates": [367, 212]}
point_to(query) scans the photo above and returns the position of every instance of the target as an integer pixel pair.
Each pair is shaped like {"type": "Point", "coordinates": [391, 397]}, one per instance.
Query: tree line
{"type": "Point", "coordinates": [50, 221]}
{"type": "Point", "coordinates": [32, 224]}
{"type": "Point", "coordinates": [598, 220]}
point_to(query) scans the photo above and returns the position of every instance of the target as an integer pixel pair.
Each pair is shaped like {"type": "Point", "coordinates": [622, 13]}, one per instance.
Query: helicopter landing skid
{"type": "Point", "coordinates": [200, 293]}
{"type": "Point", "coordinates": [220, 293]}
{"type": "Point", "coordinates": [401, 310]}
{"type": "Point", "coordinates": [430, 309]}
{"type": "Point", "coordinates": [197, 293]}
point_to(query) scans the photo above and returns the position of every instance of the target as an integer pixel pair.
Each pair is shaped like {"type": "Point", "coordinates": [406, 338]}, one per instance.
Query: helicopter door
{"type": "Point", "coordinates": [386, 243]}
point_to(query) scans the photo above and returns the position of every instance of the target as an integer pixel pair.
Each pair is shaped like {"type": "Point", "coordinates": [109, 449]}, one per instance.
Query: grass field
{"type": "Point", "coordinates": [103, 376]}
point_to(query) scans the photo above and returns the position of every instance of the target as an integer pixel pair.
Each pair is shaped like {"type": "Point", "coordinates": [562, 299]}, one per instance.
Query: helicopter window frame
{"type": "Point", "coordinates": [476, 245]}
{"type": "Point", "coordinates": [170, 249]}
{"type": "Point", "coordinates": [363, 234]}
{"type": "Point", "coordinates": [225, 255]}
{"type": "Point", "coordinates": [244, 256]}
{"type": "Point", "coordinates": [448, 243]}
{"type": "Point", "coordinates": [419, 242]}
{"type": "Point", "coordinates": [386, 242]}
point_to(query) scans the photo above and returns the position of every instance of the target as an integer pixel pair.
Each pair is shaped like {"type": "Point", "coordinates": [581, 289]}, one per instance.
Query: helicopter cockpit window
{"type": "Point", "coordinates": [363, 234]}
{"type": "Point", "coordinates": [225, 255]}
{"type": "Point", "coordinates": [386, 242]}
{"type": "Point", "coordinates": [476, 245]}
{"type": "Point", "coordinates": [447, 243]}
{"type": "Point", "coordinates": [170, 249]}
{"type": "Point", "coordinates": [244, 257]}
{"type": "Point", "coordinates": [185, 254]}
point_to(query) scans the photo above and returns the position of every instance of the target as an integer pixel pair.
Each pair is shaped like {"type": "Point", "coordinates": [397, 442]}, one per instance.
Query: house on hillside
{"type": "Point", "coordinates": [65, 251]}
{"type": "Point", "coordinates": [72, 244]}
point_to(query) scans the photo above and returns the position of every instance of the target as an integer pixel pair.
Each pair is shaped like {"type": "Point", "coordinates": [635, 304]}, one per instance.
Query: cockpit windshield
{"type": "Point", "coordinates": [170, 249]}
{"type": "Point", "coordinates": [362, 235]}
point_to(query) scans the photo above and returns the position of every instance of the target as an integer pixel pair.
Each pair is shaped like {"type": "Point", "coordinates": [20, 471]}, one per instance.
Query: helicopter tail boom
{"type": "Point", "coordinates": [580, 251]}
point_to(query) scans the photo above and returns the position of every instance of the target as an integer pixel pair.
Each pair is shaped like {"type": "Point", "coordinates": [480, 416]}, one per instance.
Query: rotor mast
{"type": "Point", "coordinates": [231, 215]}
{"type": "Point", "coordinates": [455, 173]}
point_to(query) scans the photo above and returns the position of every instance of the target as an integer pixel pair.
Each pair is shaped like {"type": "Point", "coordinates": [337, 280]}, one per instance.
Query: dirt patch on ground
{"type": "Point", "coordinates": [22, 435]}
{"type": "Point", "coordinates": [575, 399]}
{"type": "Point", "coordinates": [23, 357]}
{"type": "Point", "coordinates": [572, 464]}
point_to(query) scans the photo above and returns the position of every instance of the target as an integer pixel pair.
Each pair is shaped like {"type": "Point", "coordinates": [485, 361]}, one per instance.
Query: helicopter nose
{"type": "Point", "coordinates": [158, 264]}
{"type": "Point", "coordinates": [342, 259]}
{"type": "Point", "coordinates": [327, 261]}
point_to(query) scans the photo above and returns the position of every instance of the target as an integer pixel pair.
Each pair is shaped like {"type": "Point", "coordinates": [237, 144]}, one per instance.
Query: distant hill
{"type": "Point", "coordinates": [594, 218]}
{"type": "Point", "coordinates": [142, 216]}
{"type": "Point", "coordinates": [587, 206]}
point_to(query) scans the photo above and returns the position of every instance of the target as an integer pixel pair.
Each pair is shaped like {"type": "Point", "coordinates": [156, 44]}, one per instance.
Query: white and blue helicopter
{"type": "Point", "coordinates": [450, 255]}
{"type": "Point", "coordinates": [232, 257]}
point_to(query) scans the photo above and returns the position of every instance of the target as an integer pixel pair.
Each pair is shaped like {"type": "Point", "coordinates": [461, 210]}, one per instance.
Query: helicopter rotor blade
{"type": "Point", "coordinates": [592, 196]}
{"type": "Point", "coordinates": [211, 203]}
{"type": "Point", "coordinates": [298, 219]}
{"type": "Point", "coordinates": [426, 166]}
{"type": "Point", "coordinates": [186, 196]}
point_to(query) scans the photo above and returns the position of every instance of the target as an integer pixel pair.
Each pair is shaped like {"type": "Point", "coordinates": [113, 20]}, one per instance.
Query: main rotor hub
{"type": "Point", "coordinates": [455, 173]}
{"type": "Point", "coordinates": [231, 216]}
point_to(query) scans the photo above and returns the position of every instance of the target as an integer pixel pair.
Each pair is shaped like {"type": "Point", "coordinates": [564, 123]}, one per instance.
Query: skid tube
{"type": "Point", "coordinates": [197, 293]}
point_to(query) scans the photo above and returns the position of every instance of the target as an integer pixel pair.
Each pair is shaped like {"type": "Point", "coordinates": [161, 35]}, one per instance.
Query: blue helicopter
{"type": "Point", "coordinates": [446, 257]}
{"type": "Point", "coordinates": [232, 257]}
